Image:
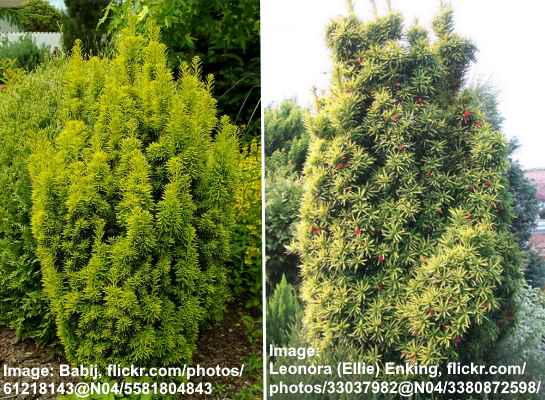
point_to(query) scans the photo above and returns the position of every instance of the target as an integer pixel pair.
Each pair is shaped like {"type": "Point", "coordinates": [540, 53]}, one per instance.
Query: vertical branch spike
{"type": "Point", "coordinates": [350, 6]}
{"type": "Point", "coordinates": [375, 9]}
{"type": "Point", "coordinates": [389, 3]}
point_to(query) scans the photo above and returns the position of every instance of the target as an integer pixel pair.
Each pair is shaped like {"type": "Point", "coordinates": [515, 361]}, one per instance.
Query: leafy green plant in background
{"type": "Point", "coordinates": [29, 110]}
{"type": "Point", "coordinates": [24, 52]}
{"type": "Point", "coordinates": [405, 214]}
{"type": "Point", "coordinates": [80, 23]}
{"type": "Point", "coordinates": [283, 311]}
{"type": "Point", "coordinates": [223, 33]}
{"type": "Point", "coordinates": [133, 207]}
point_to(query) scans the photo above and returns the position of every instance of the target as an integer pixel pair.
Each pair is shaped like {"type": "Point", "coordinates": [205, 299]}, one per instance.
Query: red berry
{"type": "Point", "coordinates": [358, 231]}
{"type": "Point", "coordinates": [467, 115]}
{"type": "Point", "coordinates": [315, 230]}
{"type": "Point", "coordinates": [457, 341]}
{"type": "Point", "coordinates": [381, 258]}
{"type": "Point", "coordinates": [487, 183]}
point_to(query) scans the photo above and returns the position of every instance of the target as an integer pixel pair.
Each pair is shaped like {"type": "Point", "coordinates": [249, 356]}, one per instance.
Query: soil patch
{"type": "Point", "coordinates": [230, 344]}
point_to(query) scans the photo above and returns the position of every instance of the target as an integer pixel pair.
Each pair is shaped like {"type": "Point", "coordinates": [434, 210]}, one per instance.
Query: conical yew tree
{"type": "Point", "coordinates": [132, 207]}
{"type": "Point", "coordinates": [406, 251]}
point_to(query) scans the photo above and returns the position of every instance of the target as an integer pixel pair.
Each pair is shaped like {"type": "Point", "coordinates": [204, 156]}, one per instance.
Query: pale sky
{"type": "Point", "coordinates": [509, 34]}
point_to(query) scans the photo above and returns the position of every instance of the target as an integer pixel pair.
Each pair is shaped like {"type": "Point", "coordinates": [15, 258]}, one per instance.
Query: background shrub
{"type": "Point", "coordinates": [283, 312]}
{"type": "Point", "coordinates": [29, 110]}
{"type": "Point", "coordinates": [133, 207]}
{"type": "Point", "coordinates": [284, 190]}
{"type": "Point", "coordinates": [39, 16]}
{"type": "Point", "coordinates": [286, 135]}
{"type": "Point", "coordinates": [525, 343]}
{"type": "Point", "coordinates": [34, 16]}
{"type": "Point", "coordinates": [286, 147]}
{"type": "Point", "coordinates": [24, 52]}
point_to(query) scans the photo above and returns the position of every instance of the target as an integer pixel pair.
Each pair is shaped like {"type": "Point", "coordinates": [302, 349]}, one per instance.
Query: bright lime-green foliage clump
{"type": "Point", "coordinates": [404, 232]}
{"type": "Point", "coordinates": [29, 110]}
{"type": "Point", "coordinates": [246, 242]}
{"type": "Point", "coordinates": [133, 207]}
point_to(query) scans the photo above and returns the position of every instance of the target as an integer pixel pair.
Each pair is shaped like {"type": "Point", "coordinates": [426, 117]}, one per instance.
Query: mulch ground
{"type": "Point", "coordinates": [229, 344]}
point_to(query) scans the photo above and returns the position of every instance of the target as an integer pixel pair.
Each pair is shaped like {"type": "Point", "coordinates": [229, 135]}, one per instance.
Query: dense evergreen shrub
{"type": "Point", "coordinates": [9, 71]}
{"type": "Point", "coordinates": [404, 235]}
{"type": "Point", "coordinates": [33, 16]}
{"type": "Point", "coordinates": [283, 312]}
{"type": "Point", "coordinates": [246, 243]}
{"type": "Point", "coordinates": [224, 34]}
{"type": "Point", "coordinates": [39, 16]}
{"type": "Point", "coordinates": [132, 207]}
{"type": "Point", "coordinates": [29, 109]}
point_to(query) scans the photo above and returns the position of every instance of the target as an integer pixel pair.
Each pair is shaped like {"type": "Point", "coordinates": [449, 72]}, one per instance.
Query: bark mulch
{"type": "Point", "coordinates": [229, 344]}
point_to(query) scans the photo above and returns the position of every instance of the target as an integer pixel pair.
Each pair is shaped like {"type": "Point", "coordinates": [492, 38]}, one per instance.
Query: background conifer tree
{"type": "Point", "coordinates": [404, 234]}
{"type": "Point", "coordinates": [80, 22]}
{"type": "Point", "coordinates": [133, 207]}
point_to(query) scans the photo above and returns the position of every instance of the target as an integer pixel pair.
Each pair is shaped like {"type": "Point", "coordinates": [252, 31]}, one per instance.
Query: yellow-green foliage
{"type": "Point", "coordinates": [133, 207]}
{"type": "Point", "coordinates": [29, 110]}
{"type": "Point", "coordinates": [247, 235]}
{"type": "Point", "coordinates": [404, 232]}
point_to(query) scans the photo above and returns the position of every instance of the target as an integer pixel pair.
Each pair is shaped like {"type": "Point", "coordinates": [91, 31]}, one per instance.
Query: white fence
{"type": "Point", "coordinates": [53, 40]}
{"type": "Point", "coordinates": [540, 226]}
